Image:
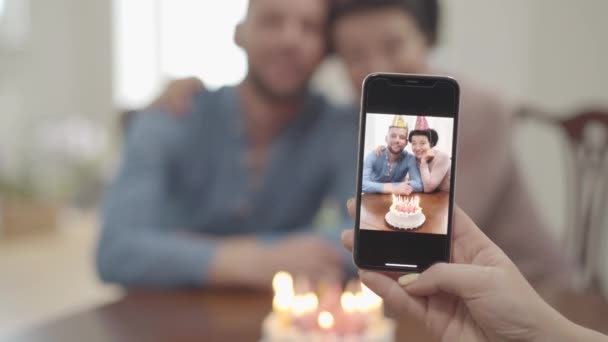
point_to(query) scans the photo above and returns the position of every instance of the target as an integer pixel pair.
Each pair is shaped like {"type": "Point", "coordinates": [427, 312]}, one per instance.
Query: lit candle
{"type": "Point", "coordinates": [333, 314]}
{"type": "Point", "coordinates": [304, 304]}
{"type": "Point", "coordinates": [311, 302]}
{"type": "Point", "coordinates": [299, 307]}
{"type": "Point", "coordinates": [282, 282]}
{"type": "Point", "coordinates": [329, 296]}
{"type": "Point", "coordinates": [305, 317]}
{"type": "Point", "coordinates": [373, 305]}
{"type": "Point", "coordinates": [281, 305]}
{"type": "Point", "coordinates": [325, 320]}
{"type": "Point", "coordinates": [282, 302]}
{"type": "Point", "coordinates": [353, 321]}
{"type": "Point", "coordinates": [348, 301]}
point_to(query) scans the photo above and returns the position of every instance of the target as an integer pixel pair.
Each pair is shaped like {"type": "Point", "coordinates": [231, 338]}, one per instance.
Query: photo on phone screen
{"type": "Point", "coordinates": [406, 173]}
{"type": "Point", "coordinates": [407, 147]}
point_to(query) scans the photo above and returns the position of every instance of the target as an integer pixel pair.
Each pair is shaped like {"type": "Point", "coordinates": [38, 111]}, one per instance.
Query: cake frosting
{"type": "Point", "coordinates": [405, 213]}
{"type": "Point", "coordinates": [327, 311]}
{"type": "Point", "coordinates": [274, 331]}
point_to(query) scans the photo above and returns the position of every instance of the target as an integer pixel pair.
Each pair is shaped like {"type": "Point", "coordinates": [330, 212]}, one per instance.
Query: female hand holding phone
{"type": "Point", "coordinates": [481, 296]}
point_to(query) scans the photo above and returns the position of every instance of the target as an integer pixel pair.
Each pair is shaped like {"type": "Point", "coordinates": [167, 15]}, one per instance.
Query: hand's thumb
{"type": "Point", "coordinates": [460, 280]}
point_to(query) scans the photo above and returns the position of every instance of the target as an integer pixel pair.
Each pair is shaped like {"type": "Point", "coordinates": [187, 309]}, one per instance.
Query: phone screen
{"type": "Point", "coordinates": [407, 153]}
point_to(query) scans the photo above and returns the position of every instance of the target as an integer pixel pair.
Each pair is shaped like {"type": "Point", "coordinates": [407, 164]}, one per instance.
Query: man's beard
{"type": "Point", "coordinates": [391, 150]}
{"type": "Point", "coordinates": [266, 91]}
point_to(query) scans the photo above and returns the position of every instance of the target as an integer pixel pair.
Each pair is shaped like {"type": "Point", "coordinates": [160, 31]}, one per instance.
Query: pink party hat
{"type": "Point", "coordinates": [421, 123]}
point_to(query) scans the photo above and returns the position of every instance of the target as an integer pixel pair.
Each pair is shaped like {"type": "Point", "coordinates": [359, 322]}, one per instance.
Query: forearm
{"type": "Point", "coordinates": [369, 186]}
{"type": "Point", "coordinates": [375, 187]}
{"type": "Point", "coordinates": [557, 328]}
{"type": "Point", "coordinates": [417, 185]}
{"type": "Point", "coordinates": [427, 180]}
{"type": "Point", "coordinates": [331, 234]}
{"type": "Point", "coordinates": [232, 261]}
{"type": "Point", "coordinates": [389, 188]}
{"type": "Point", "coordinates": [432, 179]}
{"type": "Point", "coordinates": [253, 261]}
{"type": "Point", "coordinates": [174, 259]}
{"type": "Point", "coordinates": [136, 258]}
{"type": "Point", "coordinates": [579, 333]}
{"type": "Point", "coordinates": [415, 179]}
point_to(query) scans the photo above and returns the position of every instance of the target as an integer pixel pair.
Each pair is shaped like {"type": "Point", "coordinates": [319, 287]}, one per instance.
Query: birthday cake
{"type": "Point", "coordinates": [353, 315]}
{"type": "Point", "coordinates": [405, 213]}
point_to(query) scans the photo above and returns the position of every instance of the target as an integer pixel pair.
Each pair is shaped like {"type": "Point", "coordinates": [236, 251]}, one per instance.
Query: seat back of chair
{"type": "Point", "coordinates": [586, 162]}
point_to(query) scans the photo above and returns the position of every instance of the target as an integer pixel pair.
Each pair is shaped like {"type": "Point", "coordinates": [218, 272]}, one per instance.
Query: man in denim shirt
{"type": "Point", "coordinates": [388, 171]}
{"type": "Point", "coordinates": [226, 195]}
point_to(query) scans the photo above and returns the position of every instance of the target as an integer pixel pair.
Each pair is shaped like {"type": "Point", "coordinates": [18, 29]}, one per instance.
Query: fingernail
{"type": "Point", "coordinates": [407, 279]}
{"type": "Point", "coordinates": [343, 233]}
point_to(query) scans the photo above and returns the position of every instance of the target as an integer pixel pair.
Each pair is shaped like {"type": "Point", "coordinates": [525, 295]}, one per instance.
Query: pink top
{"type": "Point", "coordinates": [435, 174]}
{"type": "Point", "coordinates": [492, 190]}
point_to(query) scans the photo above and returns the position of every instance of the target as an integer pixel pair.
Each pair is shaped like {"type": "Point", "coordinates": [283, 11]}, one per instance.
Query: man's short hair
{"type": "Point", "coordinates": [425, 12]}
{"type": "Point", "coordinates": [405, 128]}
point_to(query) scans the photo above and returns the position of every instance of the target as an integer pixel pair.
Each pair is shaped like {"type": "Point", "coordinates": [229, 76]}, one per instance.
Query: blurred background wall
{"type": "Point", "coordinates": [55, 93]}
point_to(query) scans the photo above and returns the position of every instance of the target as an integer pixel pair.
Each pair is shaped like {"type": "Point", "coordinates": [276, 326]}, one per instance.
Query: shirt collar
{"type": "Point", "coordinates": [400, 158]}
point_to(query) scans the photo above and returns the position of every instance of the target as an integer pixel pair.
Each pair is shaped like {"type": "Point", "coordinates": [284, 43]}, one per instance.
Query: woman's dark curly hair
{"type": "Point", "coordinates": [431, 134]}
{"type": "Point", "coordinates": [426, 13]}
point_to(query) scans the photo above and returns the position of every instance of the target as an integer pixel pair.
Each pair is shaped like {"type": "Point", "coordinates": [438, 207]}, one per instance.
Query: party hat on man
{"type": "Point", "coordinates": [399, 122]}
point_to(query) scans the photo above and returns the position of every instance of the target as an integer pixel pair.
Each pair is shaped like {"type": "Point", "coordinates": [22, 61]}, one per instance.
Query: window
{"type": "Point", "coordinates": [14, 23]}
{"type": "Point", "coordinates": [155, 40]}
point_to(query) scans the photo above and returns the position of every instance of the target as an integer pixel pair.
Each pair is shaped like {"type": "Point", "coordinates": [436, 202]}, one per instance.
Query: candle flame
{"type": "Point", "coordinates": [325, 320]}
{"type": "Point", "coordinates": [413, 201]}
{"type": "Point", "coordinates": [372, 299]}
{"type": "Point", "coordinates": [282, 301]}
{"type": "Point", "coordinates": [367, 300]}
{"type": "Point", "coordinates": [399, 199]}
{"type": "Point", "coordinates": [282, 282]}
{"type": "Point", "coordinates": [312, 302]}
{"type": "Point", "coordinates": [299, 306]}
{"type": "Point", "coordinates": [348, 302]}
{"type": "Point", "coordinates": [303, 304]}
{"type": "Point", "coordinates": [361, 303]}
{"type": "Point", "coordinates": [355, 298]}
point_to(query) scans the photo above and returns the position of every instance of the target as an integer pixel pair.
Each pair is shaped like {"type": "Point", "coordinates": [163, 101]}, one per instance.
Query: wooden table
{"type": "Point", "coordinates": [434, 206]}
{"type": "Point", "coordinates": [229, 316]}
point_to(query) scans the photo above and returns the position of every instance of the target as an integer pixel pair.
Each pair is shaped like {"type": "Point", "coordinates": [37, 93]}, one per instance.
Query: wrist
{"type": "Point", "coordinates": [575, 332]}
{"type": "Point", "coordinates": [388, 188]}
{"type": "Point", "coordinates": [557, 328]}
{"type": "Point", "coordinates": [228, 267]}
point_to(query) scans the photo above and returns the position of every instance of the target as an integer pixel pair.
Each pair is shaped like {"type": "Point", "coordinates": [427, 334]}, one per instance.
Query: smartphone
{"type": "Point", "coordinates": [406, 171]}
